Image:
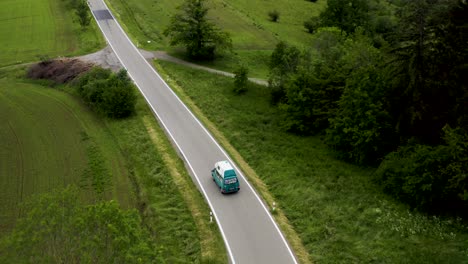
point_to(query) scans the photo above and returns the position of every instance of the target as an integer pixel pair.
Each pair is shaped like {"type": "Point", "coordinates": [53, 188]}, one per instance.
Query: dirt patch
{"type": "Point", "coordinates": [59, 70]}
{"type": "Point", "coordinates": [107, 59]}
{"type": "Point", "coordinates": [104, 58]}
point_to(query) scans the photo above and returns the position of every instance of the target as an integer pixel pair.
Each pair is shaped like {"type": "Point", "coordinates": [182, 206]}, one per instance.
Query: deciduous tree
{"type": "Point", "coordinates": [82, 11]}
{"type": "Point", "coordinates": [346, 14]}
{"type": "Point", "coordinates": [58, 228]}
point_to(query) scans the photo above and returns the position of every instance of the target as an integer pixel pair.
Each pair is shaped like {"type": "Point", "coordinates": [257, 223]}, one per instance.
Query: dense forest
{"type": "Point", "coordinates": [383, 82]}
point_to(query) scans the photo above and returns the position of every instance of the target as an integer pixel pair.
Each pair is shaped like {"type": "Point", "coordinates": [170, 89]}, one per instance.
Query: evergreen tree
{"type": "Point", "coordinates": [191, 28]}
{"type": "Point", "coordinates": [431, 62]}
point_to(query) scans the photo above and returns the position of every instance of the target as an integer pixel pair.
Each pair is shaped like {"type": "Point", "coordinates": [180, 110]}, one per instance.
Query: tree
{"type": "Point", "coordinates": [241, 80]}
{"type": "Point", "coordinates": [284, 61]}
{"type": "Point", "coordinates": [274, 15]}
{"type": "Point", "coordinates": [58, 228]}
{"type": "Point", "coordinates": [311, 93]}
{"type": "Point", "coordinates": [346, 14]}
{"type": "Point", "coordinates": [312, 24]}
{"type": "Point", "coordinates": [431, 178]}
{"type": "Point", "coordinates": [191, 28]}
{"type": "Point", "coordinates": [82, 11]}
{"type": "Point", "coordinates": [362, 129]}
{"type": "Point", "coordinates": [430, 67]}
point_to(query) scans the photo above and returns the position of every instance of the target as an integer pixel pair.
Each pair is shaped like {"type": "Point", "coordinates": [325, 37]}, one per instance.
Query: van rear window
{"type": "Point", "coordinates": [230, 181]}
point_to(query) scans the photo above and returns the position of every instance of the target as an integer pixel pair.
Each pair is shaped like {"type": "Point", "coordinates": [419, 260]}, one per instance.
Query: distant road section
{"type": "Point", "coordinates": [249, 231]}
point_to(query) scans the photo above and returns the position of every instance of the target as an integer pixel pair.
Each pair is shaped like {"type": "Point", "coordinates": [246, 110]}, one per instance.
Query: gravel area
{"type": "Point", "coordinates": [106, 58]}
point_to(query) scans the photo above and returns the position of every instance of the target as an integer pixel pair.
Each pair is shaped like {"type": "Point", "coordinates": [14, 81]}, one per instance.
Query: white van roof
{"type": "Point", "coordinates": [222, 166]}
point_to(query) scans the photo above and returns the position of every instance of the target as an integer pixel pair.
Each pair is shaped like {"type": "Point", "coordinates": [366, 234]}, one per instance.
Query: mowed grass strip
{"type": "Point", "coordinates": [289, 27]}
{"type": "Point", "coordinates": [340, 215]}
{"type": "Point", "coordinates": [49, 140]}
{"type": "Point", "coordinates": [30, 29]}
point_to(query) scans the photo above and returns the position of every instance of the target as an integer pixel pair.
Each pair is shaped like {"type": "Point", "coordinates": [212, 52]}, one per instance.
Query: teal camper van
{"type": "Point", "coordinates": [225, 177]}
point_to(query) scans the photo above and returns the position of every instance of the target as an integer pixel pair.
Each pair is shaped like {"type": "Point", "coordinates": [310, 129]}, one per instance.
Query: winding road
{"type": "Point", "coordinates": [248, 229]}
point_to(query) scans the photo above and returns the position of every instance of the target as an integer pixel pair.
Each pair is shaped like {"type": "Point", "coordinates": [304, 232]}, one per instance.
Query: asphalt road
{"type": "Point", "coordinates": [248, 230]}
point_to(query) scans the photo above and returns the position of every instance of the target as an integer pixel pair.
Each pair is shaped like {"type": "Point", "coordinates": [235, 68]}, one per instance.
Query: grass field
{"type": "Point", "coordinates": [253, 35]}
{"type": "Point", "coordinates": [339, 213]}
{"type": "Point", "coordinates": [33, 28]}
{"type": "Point", "coordinates": [50, 140]}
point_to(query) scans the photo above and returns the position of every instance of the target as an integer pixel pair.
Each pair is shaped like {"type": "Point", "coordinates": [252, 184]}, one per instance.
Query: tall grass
{"type": "Point", "coordinates": [169, 203]}
{"type": "Point", "coordinates": [339, 213]}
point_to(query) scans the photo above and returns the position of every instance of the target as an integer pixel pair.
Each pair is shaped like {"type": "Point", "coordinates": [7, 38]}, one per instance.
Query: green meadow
{"type": "Point", "coordinates": [254, 35]}
{"type": "Point", "coordinates": [30, 29]}
{"type": "Point", "coordinates": [50, 140]}
{"type": "Point", "coordinates": [340, 214]}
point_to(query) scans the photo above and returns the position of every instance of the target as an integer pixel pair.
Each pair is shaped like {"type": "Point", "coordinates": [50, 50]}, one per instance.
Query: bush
{"type": "Point", "coordinates": [119, 98]}
{"type": "Point", "coordinates": [96, 73]}
{"type": "Point", "coordinates": [430, 178]}
{"type": "Point", "coordinates": [241, 80]}
{"type": "Point", "coordinates": [312, 24]}
{"type": "Point", "coordinates": [274, 15]}
{"type": "Point", "coordinates": [110, 94]}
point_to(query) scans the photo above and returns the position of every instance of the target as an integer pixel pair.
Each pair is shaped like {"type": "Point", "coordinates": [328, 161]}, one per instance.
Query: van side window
{"type": "Point", "coordinates": [217, 173]}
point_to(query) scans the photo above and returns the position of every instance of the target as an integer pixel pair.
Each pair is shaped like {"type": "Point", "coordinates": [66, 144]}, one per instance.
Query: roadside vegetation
{"type": "Point", "coordinates": [377, 84]}
{"type": "Point", "coordinates": [361, 137]}
{"type": "Point", "coordinates": [339, 212]}
{"type": "Point", "coordinates": [31, 30]}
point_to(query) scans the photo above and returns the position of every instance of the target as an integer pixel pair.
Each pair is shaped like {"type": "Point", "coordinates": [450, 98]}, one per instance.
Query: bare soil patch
{"type": "Point", "coordinates": [61, 70]}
